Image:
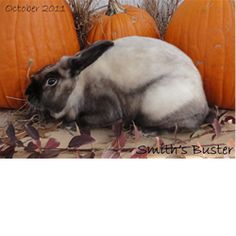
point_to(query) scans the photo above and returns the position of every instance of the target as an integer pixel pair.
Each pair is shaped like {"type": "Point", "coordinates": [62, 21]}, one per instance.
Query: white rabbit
{"type": "Point", "coordinates": [138, 79]}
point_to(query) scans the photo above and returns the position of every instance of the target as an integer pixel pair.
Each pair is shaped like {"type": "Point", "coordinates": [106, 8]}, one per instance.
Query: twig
{"type": "Point", "coordinates": [97, 9]}
{"type": "Point", "coordinates": [30, 64]}
{"type": "Point", "coordinates": [17, 99]}
{"type": "Point", "coordinates": [161, 11]}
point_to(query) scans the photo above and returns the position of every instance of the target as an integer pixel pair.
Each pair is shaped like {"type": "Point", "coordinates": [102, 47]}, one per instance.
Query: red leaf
{"type": "Point", "coordinates": [160, 142]}
{"type": "Point", "coordinates": [37, 143]}
{"type": "Point", "coordinates": [117, 128]}
{"type": "Point", "coordinates": [231, 143]}
{"type": "Point", "coordinates": [216, 126]}
{"type": "Point", "coordinates": [7, 152]}
{"type": "Point", "coordinates": [11, 134]}
{"type": "Point", "coordinates": [80, 140]}
{"type": "Point", "coordinates": [200, 146]}
{"type": "Point", "coordinates": [120, 141]}
{"type": "Point", "coordinates": [32, 132]}
{"type": "Point", "coordinates": [2, 145]}
{"type": "Point", "coordinates": [85, 130]}
{"type": "Point", "coordinates": [137, 154]}
{"type": "Point", "coordinates": [110, 153]}
{"type": "Point", "coordinates": [52, 143]}
{"type": "Point", "coordinates": [137, 133]}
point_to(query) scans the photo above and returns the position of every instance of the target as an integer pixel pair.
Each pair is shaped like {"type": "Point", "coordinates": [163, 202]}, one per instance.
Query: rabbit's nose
{"type": "Point", "coordinates": [34, 90]}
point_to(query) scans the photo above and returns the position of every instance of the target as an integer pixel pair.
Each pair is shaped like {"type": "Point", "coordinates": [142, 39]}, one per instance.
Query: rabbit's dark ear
{"type": "Point", "coordinates": [88, 56]}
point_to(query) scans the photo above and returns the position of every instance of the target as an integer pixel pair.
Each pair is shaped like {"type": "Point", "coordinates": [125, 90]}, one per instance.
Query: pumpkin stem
{"type": "Point", "coordinates": [114, 7]}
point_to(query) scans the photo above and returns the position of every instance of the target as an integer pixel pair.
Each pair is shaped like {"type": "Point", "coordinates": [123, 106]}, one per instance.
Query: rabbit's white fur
{"type": "Point", "coordinates": [133, 62]}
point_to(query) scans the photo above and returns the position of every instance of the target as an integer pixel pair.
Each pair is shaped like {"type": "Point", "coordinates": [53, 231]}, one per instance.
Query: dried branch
{"type": "Point", "coordinates": [161, 11]}
{"type": "Point", "coordinates": [82, 11]}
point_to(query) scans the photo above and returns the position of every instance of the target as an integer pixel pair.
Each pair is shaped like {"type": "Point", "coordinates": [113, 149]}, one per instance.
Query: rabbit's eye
{"type": "Point", "coordinates": [51, 82]}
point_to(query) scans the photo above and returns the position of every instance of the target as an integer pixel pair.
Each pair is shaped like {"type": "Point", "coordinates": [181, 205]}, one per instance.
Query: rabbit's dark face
{"type": "Point", "coordinates": [50, 88]}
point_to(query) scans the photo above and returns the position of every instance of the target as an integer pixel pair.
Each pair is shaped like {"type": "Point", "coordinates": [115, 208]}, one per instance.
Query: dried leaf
{"type": "Point", "coordinates": [231, 143]}
{"type": "Point", "coordinates": [34, 155]}
{"type": "Point", "coordinates": [201, 132]}
{"type": "Point", "coordinates": [213, 137]}
{"type": "Point", "coordinates": [110, 153]}
{"type": "Point", "coordinates": [32, 132]}
{"type": "Point", "coordinates": [117, 128]}
{"type": "Point", "coordinates": [159, 142]}
{"type": "Point", "coordinates": [31, 147]}
{"type": "Point", "coordinates": [80, 140]}
{"type": "Point", "coordinates": [82, 11]}
{"type": "Point", "coordinates": [85, 130]}
{"type": "Point", "coordinates": [49, 153]}
{"type": "Point", "coordinates": [37, 143]}
{"type": "Point", "coordinates": [161, 11]}
{"type": "Point", "coordinates": [221, 114]}
{"type": "Point", "coordinates": [222, 122]}
{"type": "Point", "coordinates": [11, 134]}
{"type": "Point", "coordinates": [120, 141]}
{"type": "Point", "coordinates": [7, 152]}
{"type": "Point", "coordinates": [217, 128]}
{"type": "Point", "coordinates": [19, 143]}
{"type": "Point", "coordinates": [52, 143]}
{"type": "Point", "coordinates": [136, 154]}
{"type": "Point", "coordinates": [137, 133]}
{"type": "Point", "coordinates": [230, 119]}
{"type": "Point", "coordinates": [89, 155]}
{"type": "Point", "coordinates": [226, 156]}
{"type": "Point", "coordinates": [204, 126]}
{"type": "Point", "coordinates": [201, 148]}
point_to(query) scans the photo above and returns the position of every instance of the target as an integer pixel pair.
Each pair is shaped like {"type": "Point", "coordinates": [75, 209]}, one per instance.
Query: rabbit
{"type": "Point", "coordinates": [135, 79]}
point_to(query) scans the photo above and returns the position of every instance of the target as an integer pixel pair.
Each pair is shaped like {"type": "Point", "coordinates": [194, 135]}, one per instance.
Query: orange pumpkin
{"type": "Point", "coordinates": [205, 30]}
{"type": "Point", "coordinates": [121, 21]}
{"type": "Point", "coordinates": [40, 31]}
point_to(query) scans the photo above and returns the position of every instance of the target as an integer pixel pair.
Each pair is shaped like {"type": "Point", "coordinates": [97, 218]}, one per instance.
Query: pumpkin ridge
{"type": "Point", "coordinates": [103, 24]}
{"type": "Point", "coordinates": [224, 60]}
{"type": "Point", "coordinates": [188, 27]}
{"type": "Point", "coordinates": [231, 103]}
{"type": "Point", "coordinates": [100, 25]}
{"type": "Point", "coordinates": [68, 15]}
{"type": "Point", "coordinates": [5, 93]}
{"type": "Point", "coordinates": [207, 83]}
{"type": "Point", "coordinates": [111, 26]}
{"type": "Point", "coordinates": [16, 49]}
{"type": "Point", "coordinates": [4, 78]}
{"type": "Point", "coordinates": [60, 31]}
{"type": "Point", "coordinates": [123, 23]}
{"type": "Point", "coordinates": [45, 27]}
{"type": "Point", "coordinates": [199, 45]}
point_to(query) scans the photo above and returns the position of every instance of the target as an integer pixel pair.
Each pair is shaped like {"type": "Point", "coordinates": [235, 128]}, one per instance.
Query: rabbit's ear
{"type": "Point", "coordinates": [88, 56]}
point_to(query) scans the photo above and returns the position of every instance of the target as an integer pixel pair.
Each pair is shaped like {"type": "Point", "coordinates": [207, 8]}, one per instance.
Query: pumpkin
{"type": "Point", "coordinates": [205, 30]}
{"type": "Point", "coordinates": [120, 21]}
{"type": "Point", "coordinates": [36, 31]}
